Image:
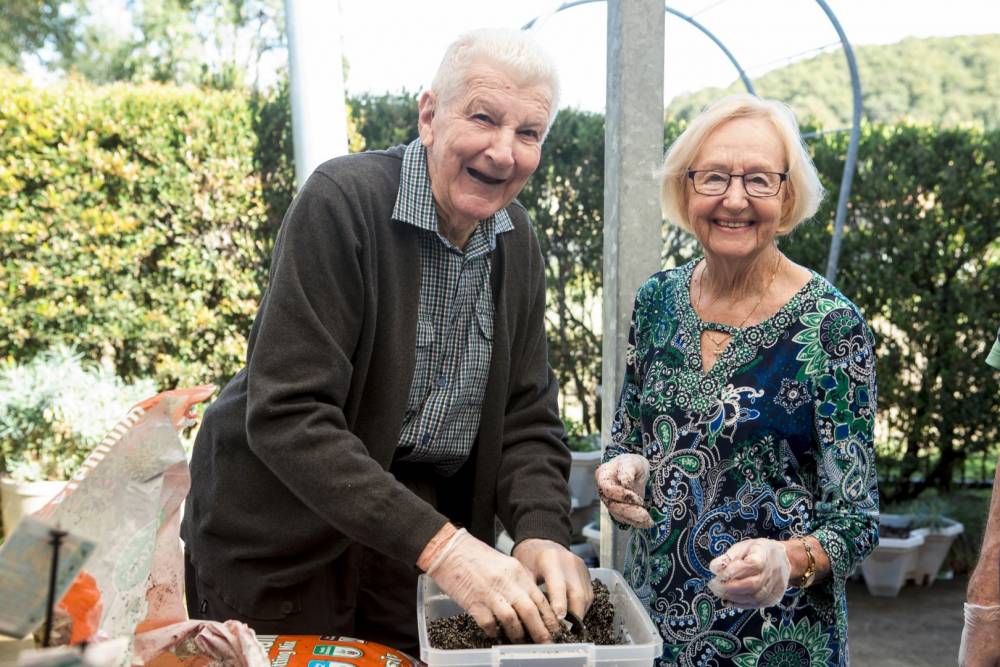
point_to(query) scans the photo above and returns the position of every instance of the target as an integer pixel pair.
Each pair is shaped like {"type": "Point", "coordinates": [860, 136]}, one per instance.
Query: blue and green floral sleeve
{"type": "Point", "coordinates": [846, 494]}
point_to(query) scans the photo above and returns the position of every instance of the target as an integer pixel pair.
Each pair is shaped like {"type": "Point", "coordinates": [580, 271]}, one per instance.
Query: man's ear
{"type": "Point", "coordinates": [426, 107]}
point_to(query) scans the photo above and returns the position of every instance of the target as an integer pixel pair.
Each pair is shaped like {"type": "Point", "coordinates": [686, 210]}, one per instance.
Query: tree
{"type": "Point", "coordinates": [947, 81]}
{"type": "Point", "coordinates": [565, 197]}
{"type": "Point", "coordinates": [27, 26]}
{"type": "Point", "coordinates": [214, 43]}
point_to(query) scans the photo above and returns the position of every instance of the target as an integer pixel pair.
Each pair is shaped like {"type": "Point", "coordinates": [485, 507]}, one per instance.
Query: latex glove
{"type": "Point", "coordinates": [566, 577]}
{"type": "Point", "coordinates": [621, 483]}
{"type": "Point", "coordinates": [493, 587]}
{"type": "Point", "coordinates": [751, 574]}
{"type": "Point", "coordinates": [980, 645]}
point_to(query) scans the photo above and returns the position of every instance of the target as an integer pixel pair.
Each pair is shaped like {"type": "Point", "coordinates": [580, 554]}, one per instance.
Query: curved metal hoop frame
{"type": "Point", "coordinates": [850, 164]}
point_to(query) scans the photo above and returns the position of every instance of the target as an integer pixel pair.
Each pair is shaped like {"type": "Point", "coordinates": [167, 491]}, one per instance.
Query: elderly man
{"type": "Point", "coordinates": [397, 387]}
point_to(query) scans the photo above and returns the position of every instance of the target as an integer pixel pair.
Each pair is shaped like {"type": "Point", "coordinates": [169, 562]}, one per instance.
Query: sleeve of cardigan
{"type": "Point", "coordinates": [299, 375]}
{"type": "Point", "coordinates": [533, 497]}
{"type": "Point", "coordinates": [847, 505]}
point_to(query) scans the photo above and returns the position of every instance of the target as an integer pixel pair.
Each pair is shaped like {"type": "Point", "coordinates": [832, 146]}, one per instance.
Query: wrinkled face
{"type": "Point", "coordinates": [483, 145]}
{"type": "Point", "coordinates": [734, 225]}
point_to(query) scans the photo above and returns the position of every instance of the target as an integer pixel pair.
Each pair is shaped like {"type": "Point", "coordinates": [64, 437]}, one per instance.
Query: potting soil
{"type": "Point", "coordinates": [461, 631]}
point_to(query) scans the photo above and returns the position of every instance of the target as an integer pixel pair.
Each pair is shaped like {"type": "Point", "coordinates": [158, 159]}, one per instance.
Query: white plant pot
{"type": "Point", "coordinates": [592, 531]}
{"type": "Point", "coordinates": [581, 477]}
{"type": "Point", "coordinates": [887, 568]}
{"type": "Point", "coordinates": [934, 550]}
{"type": "Point", "coordinates": [19, 499]}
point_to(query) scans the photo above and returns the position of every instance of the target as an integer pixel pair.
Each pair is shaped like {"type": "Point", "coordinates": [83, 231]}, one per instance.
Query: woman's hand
{"type": "Point", "coordinates": [751, 574]}
{"type": "Point", "coordinates": [621, 484]}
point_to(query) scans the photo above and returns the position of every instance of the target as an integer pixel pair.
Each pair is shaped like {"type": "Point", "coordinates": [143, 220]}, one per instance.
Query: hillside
{"type": "Point", "coordinates": [943, 80]}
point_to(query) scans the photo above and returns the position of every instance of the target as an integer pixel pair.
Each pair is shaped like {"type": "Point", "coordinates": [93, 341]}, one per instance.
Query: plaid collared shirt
{"type": "Point", "coordinates": [455, 326]}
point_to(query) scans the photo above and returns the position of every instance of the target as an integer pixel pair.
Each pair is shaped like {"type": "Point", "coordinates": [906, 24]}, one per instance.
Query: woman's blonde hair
{"type": "Point", "coordinates": [803, 186]}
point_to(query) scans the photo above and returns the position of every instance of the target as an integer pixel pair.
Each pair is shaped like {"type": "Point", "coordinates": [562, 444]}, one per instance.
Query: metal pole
{"type": "Point", "coordinates": [56, 541]}
{"type": "Point", "coordinates": [847, 177]}
{"type": "Point", "coordinates": [316, 79]}
{"type": "Point", "coordinates": [634, 148]}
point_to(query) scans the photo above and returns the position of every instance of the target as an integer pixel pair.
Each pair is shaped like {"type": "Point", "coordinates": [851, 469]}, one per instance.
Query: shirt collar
{"type": "Point", "coordinates": [415, 201]}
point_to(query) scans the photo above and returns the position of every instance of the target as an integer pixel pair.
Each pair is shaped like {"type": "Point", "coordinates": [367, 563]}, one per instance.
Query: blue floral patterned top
{"type": "Point", "coordinates": [774, 441]}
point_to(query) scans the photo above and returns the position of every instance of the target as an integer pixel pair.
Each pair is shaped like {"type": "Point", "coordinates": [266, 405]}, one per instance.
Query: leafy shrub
{"type": "Point", "coordinates": [921, 258]}
{"type": "Point", "coordinates": [129, 226]}
{"type": "Point", "coordinates": [55, 409]}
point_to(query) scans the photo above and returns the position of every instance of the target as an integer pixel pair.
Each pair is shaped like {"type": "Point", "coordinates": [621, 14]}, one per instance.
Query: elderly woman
{"type": "Point", "coordinates": [742, 456]}
{"type": "Point", "coordinates": [397, 387]}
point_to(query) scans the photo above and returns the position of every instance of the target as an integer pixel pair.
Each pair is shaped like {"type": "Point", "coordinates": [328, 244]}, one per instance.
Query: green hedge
{"type": "Point", "coordinates": [136, 224]}
{"type": "Point", "coordinates": [921, 258]}
{"type": "Point", "coordinates": [129, 226]}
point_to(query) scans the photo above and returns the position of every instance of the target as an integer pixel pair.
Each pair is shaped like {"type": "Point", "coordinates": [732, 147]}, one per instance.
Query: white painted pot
{"type": "Point", "coordinates": [934, 550]}
{"type": "Point", "coordinates": [894, 559]}
{"type": "Point", "coordinates": [581, 477]}
{"type": "Point", "coordinates": [592, 531]}
{"type": "Point", "coordinates": [19, 499]}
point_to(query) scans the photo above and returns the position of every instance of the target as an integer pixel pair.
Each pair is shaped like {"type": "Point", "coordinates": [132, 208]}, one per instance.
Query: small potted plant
{"type": "Point", "coordinates": [53, 411]}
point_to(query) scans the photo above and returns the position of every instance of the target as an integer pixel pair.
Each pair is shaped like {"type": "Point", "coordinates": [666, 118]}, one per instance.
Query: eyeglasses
{"type": "Point", "coordinates": [755, 183]}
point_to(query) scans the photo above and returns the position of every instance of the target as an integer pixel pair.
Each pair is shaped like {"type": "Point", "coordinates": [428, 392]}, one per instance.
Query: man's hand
{"type": "Point", "coordinates": [751, 574]}
{"type": "Point", "coordinates": [980, 645]}
{"type": "Point", "coordinates": [493, 587]}
{"type": "Point", "coordinates": [566, 576]}
{"type": "Point", "coordinates": [621, 483]}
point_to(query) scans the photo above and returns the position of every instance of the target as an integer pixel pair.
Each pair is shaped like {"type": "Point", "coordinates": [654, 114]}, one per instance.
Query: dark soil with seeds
{"type": "Point", "coordinates": [893, 531]}
{"type": "Point", "coordinates": [461, 632]}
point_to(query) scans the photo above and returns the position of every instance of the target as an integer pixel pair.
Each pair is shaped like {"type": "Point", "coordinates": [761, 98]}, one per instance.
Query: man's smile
{"type": "Point", "coordinates": [480, 176]}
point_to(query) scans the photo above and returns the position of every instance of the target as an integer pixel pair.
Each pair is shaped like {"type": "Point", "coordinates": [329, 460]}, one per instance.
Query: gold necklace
{"type": "Point", "coordinates": [720, 345]}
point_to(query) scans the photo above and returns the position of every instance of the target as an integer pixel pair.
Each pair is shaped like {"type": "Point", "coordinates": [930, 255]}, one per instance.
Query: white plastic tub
{"type": "Point", "coordinates": [643, 643]}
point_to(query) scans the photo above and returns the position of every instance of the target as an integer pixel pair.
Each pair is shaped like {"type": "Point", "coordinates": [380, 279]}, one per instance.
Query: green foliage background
{"type": "Point", "coordinates": [943, 80]}
{"type": "Point", "coordinates": [131, 226]}
{"type": "Point", "coordinates": [136, 223]}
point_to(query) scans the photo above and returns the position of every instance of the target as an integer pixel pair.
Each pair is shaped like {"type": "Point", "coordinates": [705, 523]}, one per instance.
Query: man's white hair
{"type": "Point", "coordinates": [514, 52]}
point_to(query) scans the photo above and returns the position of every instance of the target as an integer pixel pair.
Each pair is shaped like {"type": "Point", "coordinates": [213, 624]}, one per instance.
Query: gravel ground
{"type": "Point", "coordinates": [920, 628]}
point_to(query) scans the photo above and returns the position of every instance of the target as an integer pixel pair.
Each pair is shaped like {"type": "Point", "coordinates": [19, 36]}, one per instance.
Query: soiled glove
{"type": "Point", "coordinates": [980, 645]}
{"type": "Point", "coordinates": [493, 587]}
{"type": "Point", "coordinates": [621, 483]}
{"type": "Point", "coordinates": [751, 574]}
{"type": "Point", "coordinates": [566, 577]}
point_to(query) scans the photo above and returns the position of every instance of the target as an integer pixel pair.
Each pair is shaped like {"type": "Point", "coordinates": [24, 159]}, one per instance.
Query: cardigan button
{"type": "Point", "coordinates": [287, 606]}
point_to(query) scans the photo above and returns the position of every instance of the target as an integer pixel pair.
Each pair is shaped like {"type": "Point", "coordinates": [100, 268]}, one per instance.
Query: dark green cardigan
{"type": "Point", "coordinates": [290, 464]}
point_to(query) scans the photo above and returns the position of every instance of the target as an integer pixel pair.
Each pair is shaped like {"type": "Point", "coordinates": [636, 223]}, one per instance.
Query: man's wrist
{"type": "Point", "coordinates": [434, 546]}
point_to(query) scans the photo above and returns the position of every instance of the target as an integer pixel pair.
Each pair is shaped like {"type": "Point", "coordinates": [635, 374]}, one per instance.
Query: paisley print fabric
{"type": "Point", "coordinates": [774, 441]}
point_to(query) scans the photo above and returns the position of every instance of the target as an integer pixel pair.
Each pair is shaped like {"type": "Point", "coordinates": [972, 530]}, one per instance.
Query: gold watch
{"type": "Point", "coordinates": [810, 572]}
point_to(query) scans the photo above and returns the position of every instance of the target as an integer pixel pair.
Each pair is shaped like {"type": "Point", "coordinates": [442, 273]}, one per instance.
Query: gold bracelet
{"type": "Point", "coordinates": [810, 572]}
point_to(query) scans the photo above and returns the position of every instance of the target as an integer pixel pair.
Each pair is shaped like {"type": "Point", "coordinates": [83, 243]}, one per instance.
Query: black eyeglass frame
{"type": "Point", "coordinates": [782, 177]}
